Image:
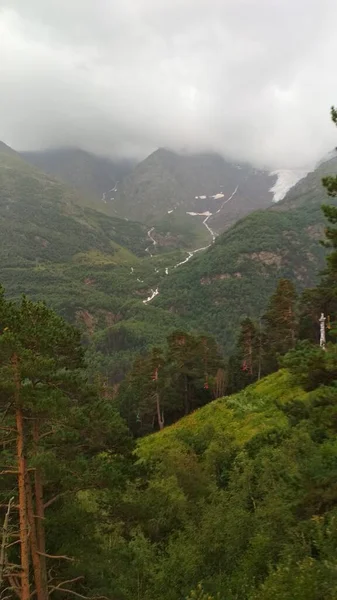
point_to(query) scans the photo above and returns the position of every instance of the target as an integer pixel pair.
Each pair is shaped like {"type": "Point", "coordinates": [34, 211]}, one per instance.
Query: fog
{"type": "Point", "coordinates": [251, 79]}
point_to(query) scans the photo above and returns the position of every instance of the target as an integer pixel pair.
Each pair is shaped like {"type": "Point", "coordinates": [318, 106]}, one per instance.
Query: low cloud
{"type": "Point", "coordinates": [252, 79]}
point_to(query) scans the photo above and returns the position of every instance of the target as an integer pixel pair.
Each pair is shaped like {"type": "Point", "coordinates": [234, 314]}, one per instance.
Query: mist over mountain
{"type": "Point", "coordinates": [125, 78]}
{"type": "Point", "coordinates": [84, 170]}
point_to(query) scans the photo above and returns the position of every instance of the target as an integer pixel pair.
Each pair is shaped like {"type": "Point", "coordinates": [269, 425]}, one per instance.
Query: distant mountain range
{"type": "Point", "coordinates": [96, 175]}
{"type": "Point", "coordinates": [99, 259]}
{"type": "Point", "coordinates": [195, 195]}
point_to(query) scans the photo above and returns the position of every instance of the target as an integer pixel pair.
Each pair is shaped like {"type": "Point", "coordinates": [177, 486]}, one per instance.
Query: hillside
{"type": "Point", "coordinates": [236, 275]}
{"type": "Point", "coordinates": [177, 184]}
{"type": "Point", "coordinates": [240, 495]}
{"type": "Point", "coordinates": [92, 268]}
{"type": "Point", "coordinates": [96, 175]}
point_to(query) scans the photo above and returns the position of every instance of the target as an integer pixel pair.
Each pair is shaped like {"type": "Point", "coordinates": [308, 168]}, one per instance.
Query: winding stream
{"type": "Point", "coordinates": [207, 215]}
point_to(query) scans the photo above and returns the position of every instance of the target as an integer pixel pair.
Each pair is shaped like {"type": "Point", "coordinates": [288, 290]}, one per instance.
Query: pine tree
{"type": "Point", "coordinates": [54, 428]}
{"type": "Point", "coordinates": [280, 322]}
{"type": "Point", "coordinates": [330, 182]}
{"type": "Point", "coordinates": [164, 385]}
{"type": "Point", "coordinates": [246, 363]}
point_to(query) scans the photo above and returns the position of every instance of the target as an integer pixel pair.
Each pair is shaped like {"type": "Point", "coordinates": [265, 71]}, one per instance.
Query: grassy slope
{"type": "Point", "coordinates": [242, 415]}
{"type": "Point", "coordinates": [236, 276]}
{"type": "Point", "coordinates": [241, 495]}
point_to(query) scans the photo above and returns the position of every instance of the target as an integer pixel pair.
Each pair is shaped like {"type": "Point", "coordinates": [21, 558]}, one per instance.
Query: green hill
{"type": "Point", "coordinates": [92, 268]}
{"type": "Point", "coordinates": [237, 274]}
{"type": "Point", "coordinates": [239, 495]}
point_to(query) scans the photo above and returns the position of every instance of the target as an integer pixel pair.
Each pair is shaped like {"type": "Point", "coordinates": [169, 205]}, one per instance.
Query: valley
{"type": "Point", "coordinates": [140, 431]}
{"type": "Point", "coordinates": [127, 284]}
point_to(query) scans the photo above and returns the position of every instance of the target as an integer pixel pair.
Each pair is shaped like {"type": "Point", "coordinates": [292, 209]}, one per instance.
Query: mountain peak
{"type": "Point", "coordinates": [5, 149]}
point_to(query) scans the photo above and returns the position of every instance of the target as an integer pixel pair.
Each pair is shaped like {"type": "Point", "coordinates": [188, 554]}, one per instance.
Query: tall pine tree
{"type": "Point", "coordinates": [280, 323]}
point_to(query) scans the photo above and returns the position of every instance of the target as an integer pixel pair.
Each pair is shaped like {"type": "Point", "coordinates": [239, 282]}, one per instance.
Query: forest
{"type": "Point", "coordinates": [200, 476]}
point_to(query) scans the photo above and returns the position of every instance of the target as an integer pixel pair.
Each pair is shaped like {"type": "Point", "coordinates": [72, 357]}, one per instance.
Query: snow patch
{"type": "Point", "coordinates": [203, 214]}
{"type": "Point", "coordinates": [154, 293]}
{"type": "Point", "coordinates": [218, 196]}
{"type": "Point", "coordinates": [200, 197]}
{"type": "Point", "coordinates": [286, 179]}
{"type": "Point", "coordinates": [170, 211]}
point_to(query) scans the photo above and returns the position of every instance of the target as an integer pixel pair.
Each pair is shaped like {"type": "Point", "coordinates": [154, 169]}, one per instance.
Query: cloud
{"type": "Point", "coordinates": [252, 79]}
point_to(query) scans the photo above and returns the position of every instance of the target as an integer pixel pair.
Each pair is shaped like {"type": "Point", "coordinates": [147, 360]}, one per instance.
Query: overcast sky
{"type": "Point", "coordinates": [253, 79]}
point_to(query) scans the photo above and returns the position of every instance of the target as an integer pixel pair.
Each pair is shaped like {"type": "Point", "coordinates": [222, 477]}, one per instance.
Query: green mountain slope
{"type": "Point", "coordinates": [92, 268]}
{"type": "Point", "coordinates": [96, 175]}
{"type": "Point", "coordinates": [236, 275]}
{"type": "Point", "coordinates": [240, 495]}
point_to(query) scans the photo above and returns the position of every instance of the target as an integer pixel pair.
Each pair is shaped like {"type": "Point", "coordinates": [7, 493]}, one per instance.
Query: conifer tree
{"type": "Point", "coordinates": [54, 428]}
{"type": "Point", "coordinates": [245, 365]}
{"type": "Point", "coordinates": [280, 322]}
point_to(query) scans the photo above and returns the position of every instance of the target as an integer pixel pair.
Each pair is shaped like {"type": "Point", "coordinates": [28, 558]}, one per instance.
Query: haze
{"type": "Point", "coordinates": [251, 79]}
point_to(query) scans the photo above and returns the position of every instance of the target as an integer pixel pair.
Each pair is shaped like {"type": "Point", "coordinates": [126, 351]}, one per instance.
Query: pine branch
{"type": "Point", "coordinates": [60, 589]}
{"type": "Point", "coordinates": [13, 543]}
{"type": "Point", "coordinates": [15, 586]}
{"type": "Point", "coordinates": [56, 556]}
{"type": "Point", "coordinates": [55, 498]}
{"type": "Point", "coordinates": [56, 587]}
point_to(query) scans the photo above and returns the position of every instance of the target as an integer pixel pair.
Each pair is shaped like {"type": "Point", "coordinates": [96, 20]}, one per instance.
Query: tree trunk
{"type": "Point", "coordinates": [160, 416]}
{"type": "Point", "coordinates": [186, 401]}
{"type": "Point", "coordinates": [33, 542]}
{"type": "Point", "coordinates": [39, 503]}
{"type": "Point", "coordinates": [3, 557]}
{"type": "Point", "coordinates": [22, 471]}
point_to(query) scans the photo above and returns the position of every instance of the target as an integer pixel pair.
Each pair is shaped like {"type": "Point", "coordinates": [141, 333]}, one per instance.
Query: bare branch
{"type": "Point", "coordinates": [66, 581]}
{"type": "Point", "coordinates": [15, 586]}
{"type": "Point", "coordinates": [56, 556]}
{"type": "Point", "coordinates": [60, 589]}
{"type": "Point", "coordinates": [13, 543]}
{"type": "Point", "coordinates": [55, 498]}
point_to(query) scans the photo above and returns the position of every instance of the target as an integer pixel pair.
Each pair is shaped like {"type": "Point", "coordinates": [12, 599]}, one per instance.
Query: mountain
{"type": "Point", "coordinates": [236, 275]}
{"type": "Point", "coordinates": [186, 184]}
{"type": "Point", "coordinates": [43, 220]}
{"type": "Point", "coordinates": [94, 269]}
{"type": "Point", "coordinates": [97, 175]}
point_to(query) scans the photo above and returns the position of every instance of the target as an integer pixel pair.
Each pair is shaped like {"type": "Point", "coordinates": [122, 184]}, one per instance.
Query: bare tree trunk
{"type": "Point", "coordinates": [39, 503]}
{"type": "Point", "coordinates": [4, 541]}
{"type": "Point", "coordinates": [186, 396]}
{"type": "Point", "coordinates": [25, 591]}
{"type": "Point", "coordinates": [160, 415]}
{"type": "Point", "coordinates": [22, 472]}
{"type": "Point", "coordinates": [33, 543]}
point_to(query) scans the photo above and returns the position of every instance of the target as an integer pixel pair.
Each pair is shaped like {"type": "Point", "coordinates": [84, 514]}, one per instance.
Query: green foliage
{"type": "Point", "coordinates": [72, 439]}
{"type": "Point", "coordinates": [166, 384]}
{"type": "Point", "coordinates": [200, 594]}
